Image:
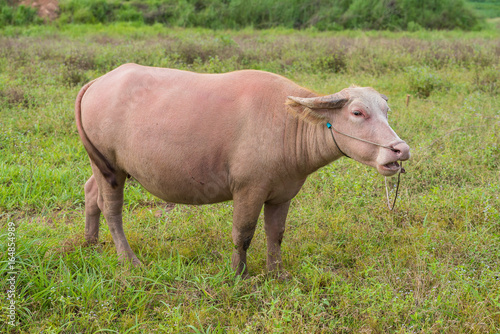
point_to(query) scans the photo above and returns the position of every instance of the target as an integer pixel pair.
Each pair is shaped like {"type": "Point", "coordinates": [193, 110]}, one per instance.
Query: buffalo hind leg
{"type": "Point", "coordinates": [110, 201]}
{"type": "Point", "coordinates": [245, 215]}
{"type": "Point", "coordinates": [274, 225]}
{"type": "Point", "coordinates": [92, 211]}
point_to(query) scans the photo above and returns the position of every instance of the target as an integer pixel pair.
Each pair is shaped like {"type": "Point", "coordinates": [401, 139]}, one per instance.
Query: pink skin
{"type": "Point", "coordinates": [206, 138]}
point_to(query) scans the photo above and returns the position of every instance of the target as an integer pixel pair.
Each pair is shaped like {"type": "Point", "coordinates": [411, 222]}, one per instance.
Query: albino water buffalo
{"type": "Point", "coordinates": [248, 136]}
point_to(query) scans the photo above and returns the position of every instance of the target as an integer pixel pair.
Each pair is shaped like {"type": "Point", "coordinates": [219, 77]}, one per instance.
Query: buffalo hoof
{"type": "Point", "coordinates": [130, 259]}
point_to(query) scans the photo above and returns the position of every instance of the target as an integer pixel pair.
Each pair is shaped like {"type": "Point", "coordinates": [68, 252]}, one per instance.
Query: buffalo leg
{"type": "Point", "coordinates": [274, 225]}
{"type": "Point", "coordinates": [92, 211]}
{"type": "Point", "coordinates": [111, 203]}
{"type": "Point", "coordinates": [245, 216]}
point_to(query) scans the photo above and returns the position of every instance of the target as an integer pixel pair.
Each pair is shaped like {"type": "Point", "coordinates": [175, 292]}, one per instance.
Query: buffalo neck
{"type": "Point", "coordinates": [308, 146]}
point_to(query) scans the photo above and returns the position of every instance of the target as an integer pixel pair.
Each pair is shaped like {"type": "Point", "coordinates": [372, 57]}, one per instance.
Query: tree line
{"type": "Point", "coordinates": [260, 14]}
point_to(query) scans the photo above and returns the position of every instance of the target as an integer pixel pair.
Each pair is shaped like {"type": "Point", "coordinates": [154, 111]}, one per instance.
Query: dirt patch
{"type": "Point", "coordinates": [47, 9]}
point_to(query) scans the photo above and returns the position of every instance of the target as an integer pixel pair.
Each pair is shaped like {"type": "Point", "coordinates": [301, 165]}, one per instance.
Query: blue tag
{"type": "Point", "coordinates": [328, 125]}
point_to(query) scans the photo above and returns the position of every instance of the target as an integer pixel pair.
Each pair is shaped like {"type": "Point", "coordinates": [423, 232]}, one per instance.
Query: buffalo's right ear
{"type": "Point", "coordinates": [303, 107]}
{"type": "Point", "coordinates": [334, 101]}
{"type": "Point", "coordinates": [303, 112]}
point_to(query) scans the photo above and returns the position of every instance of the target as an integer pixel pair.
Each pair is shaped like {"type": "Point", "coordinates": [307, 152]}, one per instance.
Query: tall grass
{"type": "Point", "coordinates": [429, 267]}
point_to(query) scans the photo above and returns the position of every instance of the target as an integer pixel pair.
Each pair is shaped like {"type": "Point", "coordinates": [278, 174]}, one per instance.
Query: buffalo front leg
{"type": "Point", "coordinates": [274, 225]}
{"type": "Point", "coordinates": [110, 201]}
{"type": "Point", "coordinates": [92, 211]}
{"type": "Point", "coordinates": [245, 215]}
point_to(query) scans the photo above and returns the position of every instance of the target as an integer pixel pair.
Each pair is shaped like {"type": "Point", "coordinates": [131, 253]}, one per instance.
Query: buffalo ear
{"type": "Point", "coordinates": [303, 107]}
{"type": "Point", "coordinates": [303, 112]}
{"type": "Point", "coordinates": [384, 97]}
{"type": "Point", "coordinates": [334, 101]}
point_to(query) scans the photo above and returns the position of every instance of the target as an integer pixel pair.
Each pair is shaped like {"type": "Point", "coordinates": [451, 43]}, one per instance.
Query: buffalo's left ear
{"type": "Point", "coordinates": [303, 107]}
{"type": "Point", "coordinates": [384, 97]}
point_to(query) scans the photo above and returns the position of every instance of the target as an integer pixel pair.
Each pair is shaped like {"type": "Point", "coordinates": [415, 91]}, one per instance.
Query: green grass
{"type": "Point", "coordinates": [432, 266]}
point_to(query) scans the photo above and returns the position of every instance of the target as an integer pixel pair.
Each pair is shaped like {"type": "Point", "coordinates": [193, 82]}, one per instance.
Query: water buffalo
{"type": "Point", "coordinates": [248, 136]}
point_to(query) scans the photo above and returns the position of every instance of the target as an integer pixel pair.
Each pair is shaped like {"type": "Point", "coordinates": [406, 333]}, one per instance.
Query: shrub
{"type": "Point", "coordinates": [335, 62]}
{"type": "Point", "coordinates": [412, 26]}
{"type": "Point", "coordinates": [412, 15]}
{"type": "Point", "coordinates": [322, 14]}
{"type": "Point", "coordinates": [423, 81]}
{"type": "Point", "coordinates": [14, 96]}
{"type": "Point", "coordinates": [85, 11]}
{"type": "Point", "coordinates": [20, 15]}
{"type": "Point", "coordinates": [487, 79]}
{"type": "Point", "coordinates": [128, 13]}
{"type": "Point", "coordinates": [74, 77]}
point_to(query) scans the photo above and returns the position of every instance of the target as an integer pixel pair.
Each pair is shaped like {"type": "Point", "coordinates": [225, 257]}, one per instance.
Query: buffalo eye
{"type": "Point", "coordinates": [357, 113]}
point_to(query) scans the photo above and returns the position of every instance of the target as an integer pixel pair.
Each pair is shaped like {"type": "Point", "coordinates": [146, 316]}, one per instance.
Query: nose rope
{"type": "Point", "coordinates": [333, 137]}
{"type": "Point", "coordinates": [401, 169]}
{"type": "Point", "coordinates": [330, 126]}
{"type": "Point", "coordinates": [391, 208]}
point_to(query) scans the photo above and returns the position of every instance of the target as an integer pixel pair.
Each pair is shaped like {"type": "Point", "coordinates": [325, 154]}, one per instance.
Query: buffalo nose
{"type": "Point", "coordinates": [402, 150]}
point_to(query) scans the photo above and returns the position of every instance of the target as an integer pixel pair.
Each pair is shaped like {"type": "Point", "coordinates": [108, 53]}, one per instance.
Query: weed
{"type": "Point", "coordinates": [334, 62]}
{"type": "Point", "coordinates": [15, 97]}
{"type": "Point", "coordinates": [423, 81]}
{"type": "Point", "coordinates": [487, 79]}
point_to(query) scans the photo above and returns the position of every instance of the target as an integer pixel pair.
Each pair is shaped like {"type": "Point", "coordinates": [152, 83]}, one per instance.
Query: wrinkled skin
{"type": "Point", "coordinates": [205, 138]}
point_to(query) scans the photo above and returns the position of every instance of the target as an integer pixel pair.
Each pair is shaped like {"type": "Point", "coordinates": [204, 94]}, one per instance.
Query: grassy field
{"type": "Point", "coordinates": [431, 266]}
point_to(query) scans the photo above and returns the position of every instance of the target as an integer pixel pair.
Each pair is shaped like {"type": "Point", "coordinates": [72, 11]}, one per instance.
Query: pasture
{"type": "Point", "coordinates": [431, 266]}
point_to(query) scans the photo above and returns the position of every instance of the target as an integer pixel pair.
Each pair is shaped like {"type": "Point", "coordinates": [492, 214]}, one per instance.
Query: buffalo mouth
{"type": "Point", "coordinates": [392, 166]}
